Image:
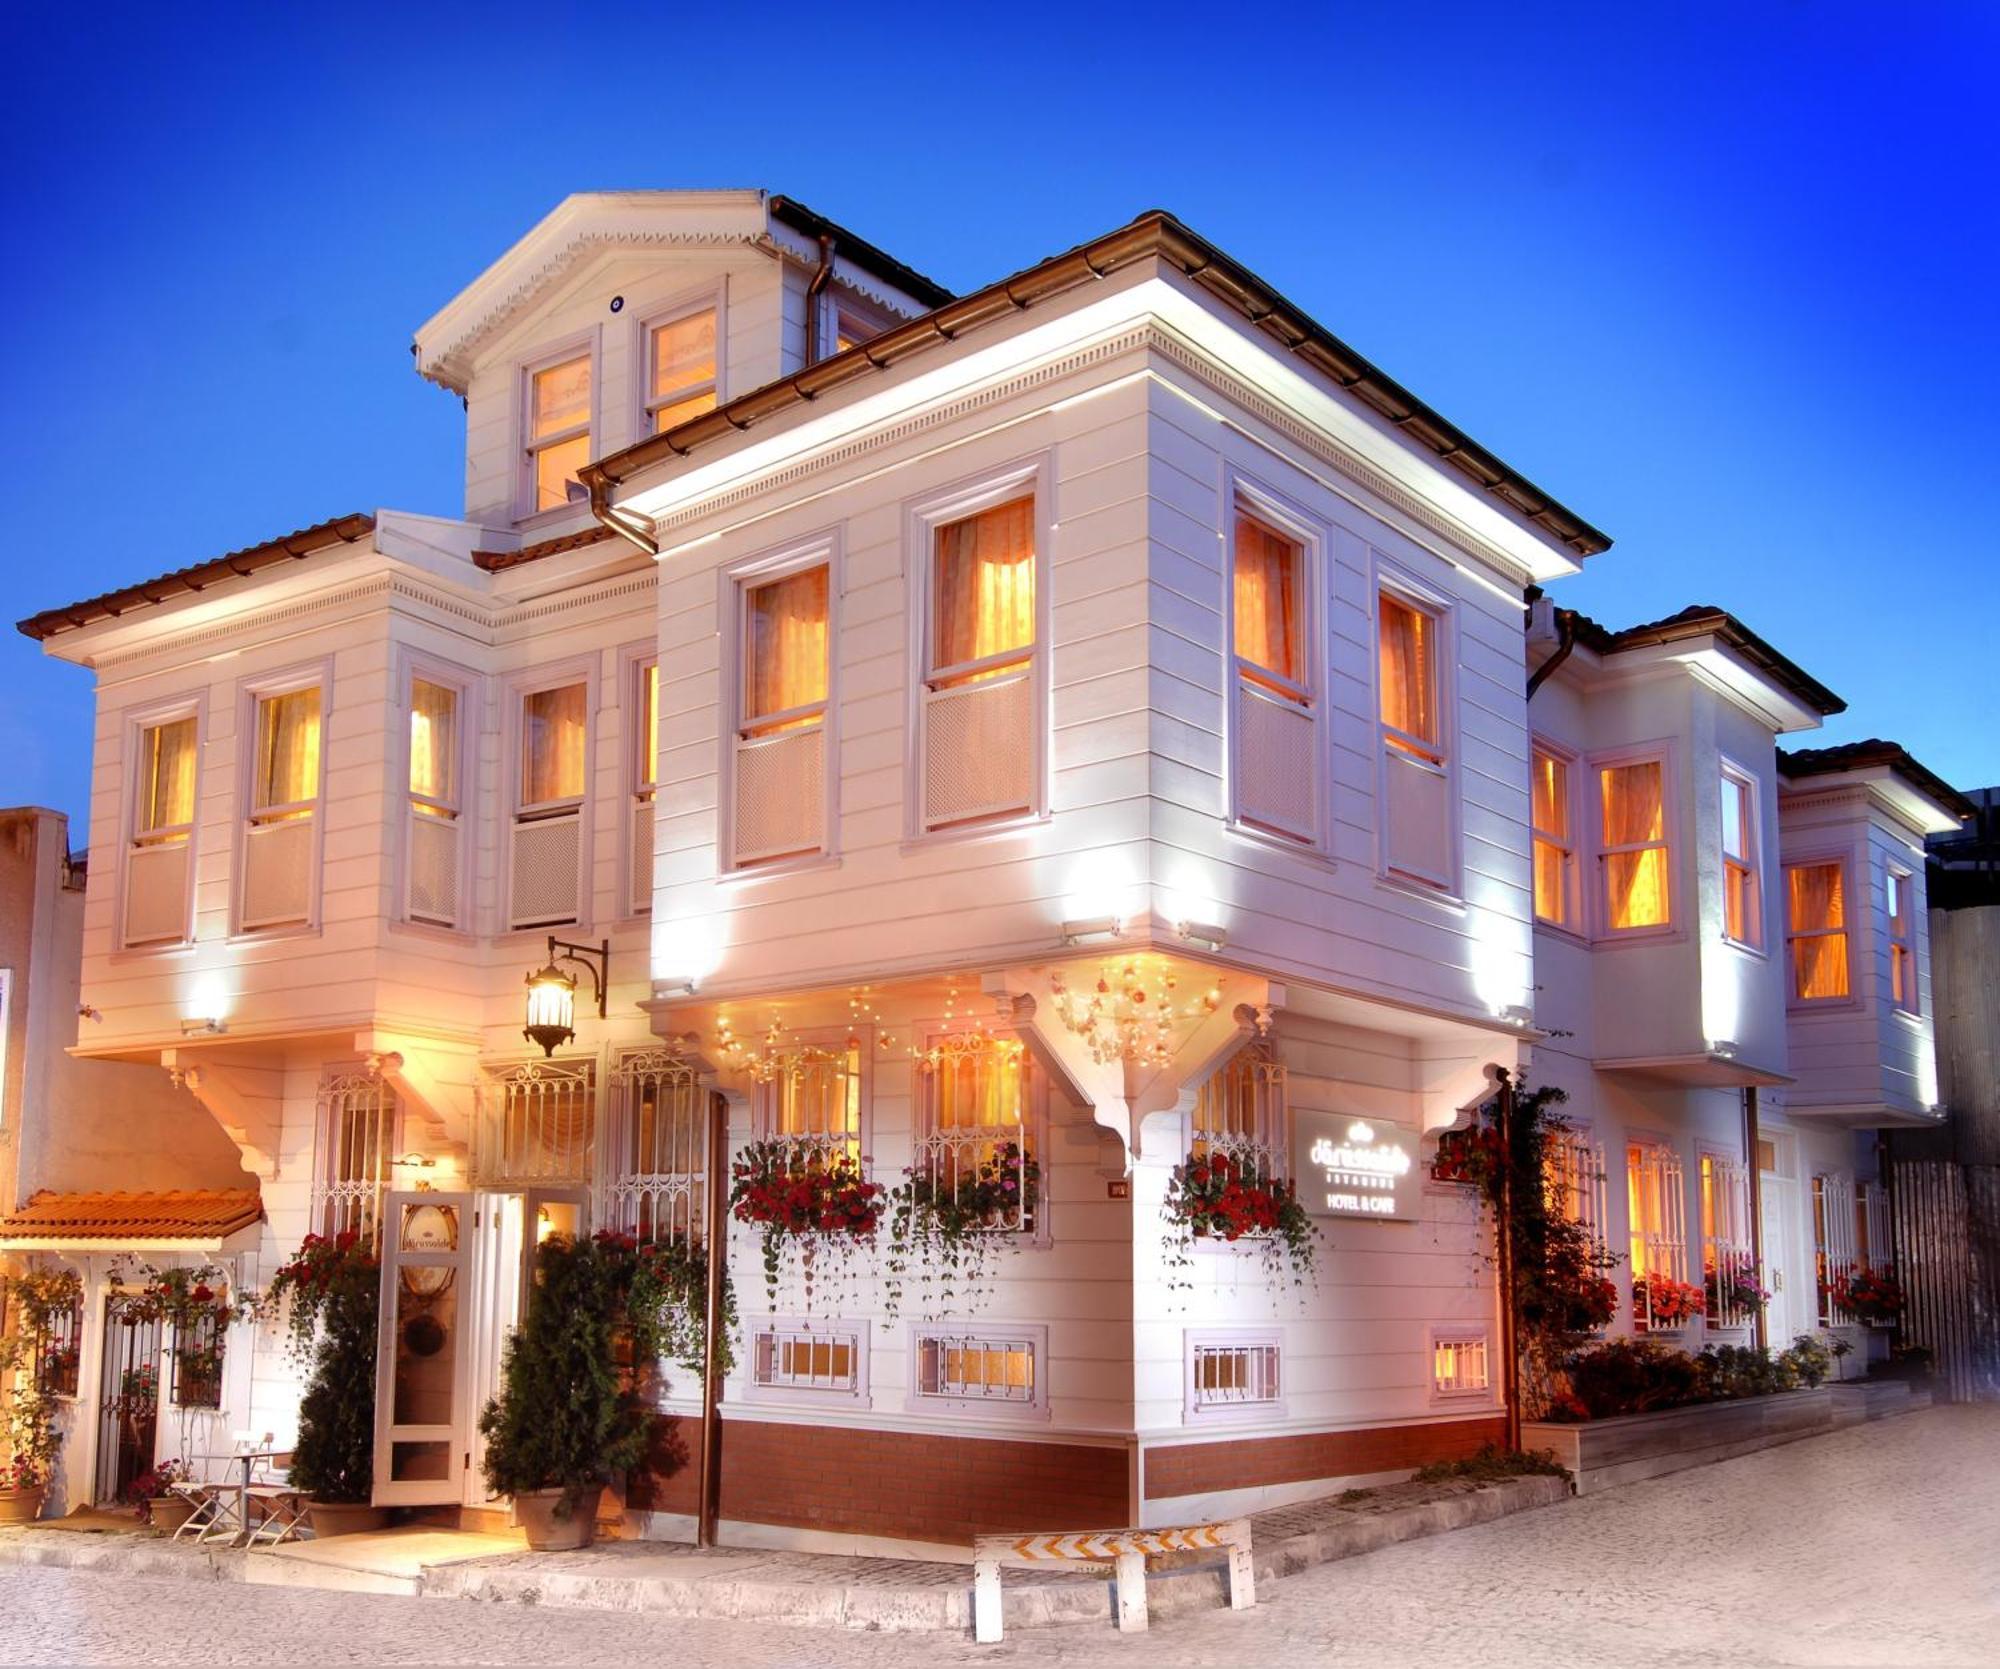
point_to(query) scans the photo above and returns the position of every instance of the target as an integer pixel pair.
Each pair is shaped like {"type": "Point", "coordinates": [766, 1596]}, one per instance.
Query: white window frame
{"type": "Point", "coordinates": [1570, 846]}
{"type": "Point", "coordinates": [1247, 497]}
{"type": "Point", "coordinates": [825, 549]}
{"type": "Point", "coordinates": [641, 784]}
{"type": "Point", "coordinates": [1733, 778]}
{"type": "Point", "coordinates": [853, 1334]}
{"type": "Point", "coordinates": [1903, 882]}
{"type": "Point", "coordinates": [1595, 764]}
{"type": "Point", "coordinates": [496, 1162]}
{"type": "Point", "coordinates": [1031, 479]}
{"type": "Point", "coordinates": [1731, 1238]}
{"type": "Point", "coordinates": [714, 299]}
{"type": "Point", "coordinates": [319, 675]}
{"type": "Point", "coordinates": [832, 1040]}
{"type": "Point", "coordinates": [1273, 1146]}
{"type": "Point", "coordinates": [467, 685]}
{"type": "Point", "coordinates": [838, 302]}
{"type": "Point", "coordinates": [1198, 1340]}
{"type": "Point", "coordinates": [1578, 1158]}
{"type": "Point", "coordinates": [1397, 583]}
{"type": "Point", "coordinates": [584, 343]}
{"type": "Point", "coordinates": [1672, 1237]}
{"type": "Point", "coordinates": [334, 1081]}
{"type": "Point", "coordinates": [137, 723]}
{"type": "Point", "coordinates": [1034, 1118]}
{"type": "Point", "coordinates": [1033, 1335]}
{"type": "Point", "coordinates": [582, 670]}
{"type": "Point", "coordinates": [1848, 929]}
{"type": "Point", "coordinates": [1460, 1336]}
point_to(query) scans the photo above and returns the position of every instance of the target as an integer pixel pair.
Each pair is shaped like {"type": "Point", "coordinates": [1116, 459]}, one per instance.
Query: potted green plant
{"type": "Point", "coordinates": [567, 1418]}
{"type": "Point", "coordinates": [33, 1439]}
{"type": "Point", "coordinates": [156, 1503]}
{"type": "Point", "coordinates": [331, 1296]}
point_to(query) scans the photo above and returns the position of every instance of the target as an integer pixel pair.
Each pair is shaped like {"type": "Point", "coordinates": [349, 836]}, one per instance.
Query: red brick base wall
{"type": "Point", "coordinates": [901, 1484]}
{"type": "Point", "coordinates": [1201, 1468]}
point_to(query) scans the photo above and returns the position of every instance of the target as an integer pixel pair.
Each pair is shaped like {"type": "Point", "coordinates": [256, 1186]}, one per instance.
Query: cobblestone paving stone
{"type": "Point", "coordinates": [1879, 1546]}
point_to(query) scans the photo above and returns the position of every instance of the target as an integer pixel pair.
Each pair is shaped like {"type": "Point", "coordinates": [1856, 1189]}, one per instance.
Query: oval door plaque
{"type": "Point", "coordinates": [428, 1228]}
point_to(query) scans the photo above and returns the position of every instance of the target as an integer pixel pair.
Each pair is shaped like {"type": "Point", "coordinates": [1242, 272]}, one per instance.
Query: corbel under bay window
{"type": "Point", "coordinates": [682, 378]}
{"type": "Point", "coordinates": [159, 854]}
{"type": "Point", "coordinates": [281, 829]}
{"type": "Point", "coordinates": [555, 442]}
{"type": "Point", "coordinates": [434, 826]}
{"type": "Point", "coordinates": [979, 752]}
{"type": "Point", "coordinates": [1816, 931]}
{"type": "Point", "coordinates": [1233, 1373]}
{"type": "Point", "coordinates": [1555, 839]}
{"type": "Point", "coordinates": [781, 764]}
{"type": "Point", "coordinates": [645, 773]}
{"type": "Point", "coordinates": [1900, 904]}
{"type": "Point", "coordinates": [1274, 726]}
{"type": "Point", "coordinates": [551, 776]}
{"type": "Point", "coordinates": [1417, 836]}
{"type": "Point", "coordinates": [1632, 847]}
{"type": "Point", "coordinates": [1742, 892]}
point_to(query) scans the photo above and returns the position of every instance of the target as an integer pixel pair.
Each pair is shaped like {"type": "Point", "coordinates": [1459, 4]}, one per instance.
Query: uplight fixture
{"type": "Point", "coordinates": [1097, 927]}
{"type": "Point", "coordinates": [1203, 933]}
{"type": "Point", "coordinates": [203, 1027]}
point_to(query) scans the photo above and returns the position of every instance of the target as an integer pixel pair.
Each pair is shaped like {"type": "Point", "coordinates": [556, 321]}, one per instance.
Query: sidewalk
{"type": "Point", "coordinates": [824, 1590]}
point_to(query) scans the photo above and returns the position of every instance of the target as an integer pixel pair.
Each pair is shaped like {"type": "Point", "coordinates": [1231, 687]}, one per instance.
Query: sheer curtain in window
{"type": "Point", "coordinates": [787, 648]}
{"type": "Point", "coordinates": [1551, 816]}
{"type": "Point", "coordinates": [433, 742]}
{"type": "Point", "coordinates": [166, 798]}
{"type": "Point", "coordinates": [1267, 600]}
{"type": "Point", "coordinates": [984, 602]}
{"type": "Point", "coordinates": [287, 749]}
{"type": "Point", "coordinates": [1409, 675]}
{"type": "Point", "coordinates": [1819, 922]}
{"type": "Point", "coordinates": [1635, 878]}
{"type": "Point", "coordinates": [552, 745]}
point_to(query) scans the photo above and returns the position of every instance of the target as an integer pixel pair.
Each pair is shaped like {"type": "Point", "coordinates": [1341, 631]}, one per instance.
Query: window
{"type": "Point", "coordinates": [1816, 894]}
{"type": "Point", "coordinates": [196, 1367]}
{"type": "Point", "coordinates": [59, 1350]}
{"type": "Point", "coordinates": [1276, 783]}
{"type": "Point", "coordinates": [997, 1368]}
{"type": "Point", "coordinates": [1833, 1210]}
{"type": "Point", "coordinates": [1575, 1179]}
{"type": "Point", "coordinates": [1416, 800]}
{"type": "Point", "coordinates": [1728, 1262]}
{"type": "Point", "coordinates": [536, 1123]}
{"type": "Point", "coordinates": [1872, 1247]}
{"type": "Point", "coordinates": [433, 822]}
{"type": "Point", "coordinates": [1459, 1366]}
{"type": "Point", "coordinates": [558, 438]}
{"type": "Point", "coordinates": [1633, 847]}
{"type": "Point", "coordinates": [1233, 1372]}
{"type": "Point", "coordinates": [552, 773]}
{"type": "Point", "coordinates": [1742, 904]}
{"type": "Point", "coordinates": [280, 841]}
{"type": "Point", "coordinates": [680, 369]}
{"type": "Point", "coordinates": [1241, 1114]}
{"type": "Point", "coordinates": [813, 1098]}
{"type": "Point", "coordinates": [978, 1101]}
{"type": "Point", "coordinates": [798, 1360]}
{"type": "Point", "coordinates": [1555, 847]}
{"type": "Point", "coordinates": [1657, 1202]}
{"type": "Point", "coordinates": [656, 1145]}
{"type": "Point", "coordinates": [157, 875]}
{"type": "Point", "coordinates": [980, 748]}
{"type": "Point", "coordinates": [1902, 941]}
{"type": "Point", "coordinates": [645, 789]}
{"type": "Point", "coordinates": [354, 1150]}
{"type": "Point", "coordinates": [780, 752]}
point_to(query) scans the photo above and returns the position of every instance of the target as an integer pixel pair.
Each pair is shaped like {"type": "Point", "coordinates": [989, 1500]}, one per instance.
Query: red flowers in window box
{"type": "Point", "coordinates": [1468, 1156]}
{"type": "Point", "coordinates": [1662, 1301]}
{"type": "Point", "coordinates": [1872, 1296]}
{"type": "Point", "coordinates": [1225, 1197]}
{"type": "Point", "coordinates": [796, 1191]}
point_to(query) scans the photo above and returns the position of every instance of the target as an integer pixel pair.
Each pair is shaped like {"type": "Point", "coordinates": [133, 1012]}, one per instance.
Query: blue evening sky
{"type": "Point", "coordinates": [1722, 277]}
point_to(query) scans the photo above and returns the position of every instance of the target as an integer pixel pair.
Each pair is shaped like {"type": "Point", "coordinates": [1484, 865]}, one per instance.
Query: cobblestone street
{"type": "Point", "coordinates": [1760, 1560]}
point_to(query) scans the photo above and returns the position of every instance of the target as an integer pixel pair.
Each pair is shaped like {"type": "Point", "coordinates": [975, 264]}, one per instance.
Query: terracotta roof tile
{"type": "Point", "coordinates": [1859, 756]}
{"type": "Point", "coordinates": [190, 1214]}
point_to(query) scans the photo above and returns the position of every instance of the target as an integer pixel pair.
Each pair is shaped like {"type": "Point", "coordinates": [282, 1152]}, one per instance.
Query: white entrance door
{"type": "Point", "coordinates": [422, 1411]}
{"type": "Point", "coordinates": [1785, 1315]}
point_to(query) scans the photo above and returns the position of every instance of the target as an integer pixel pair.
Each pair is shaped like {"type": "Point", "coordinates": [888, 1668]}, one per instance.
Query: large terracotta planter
{"type": "Point", "coordinates": [535, 1513]}
{"type": "Point", "coordinates": [345, 1518]}
{"type": "Point", "coordinates": [20, 1506]}
{"type": "Point", "coordinates": [167, 1513]}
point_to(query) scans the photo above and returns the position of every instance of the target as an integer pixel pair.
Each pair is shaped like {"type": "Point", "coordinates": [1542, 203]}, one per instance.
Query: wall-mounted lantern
{"type": "Point", "coordinates": [551, 1019]}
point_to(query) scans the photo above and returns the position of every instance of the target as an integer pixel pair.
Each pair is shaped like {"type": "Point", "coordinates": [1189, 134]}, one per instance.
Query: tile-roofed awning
{"type": "Point", "coordinates": [199, 1216]}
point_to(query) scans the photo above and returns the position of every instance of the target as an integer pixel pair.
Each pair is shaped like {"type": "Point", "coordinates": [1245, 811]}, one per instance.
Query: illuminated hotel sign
{"type": "Point", "coordinates": [1353, 1167]}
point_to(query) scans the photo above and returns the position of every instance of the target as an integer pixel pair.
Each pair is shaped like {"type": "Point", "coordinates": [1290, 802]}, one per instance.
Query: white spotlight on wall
{"type": "Point", "coordinates": [1202, 933]}
{"type": "Point", "coordinates": [1097, 927]}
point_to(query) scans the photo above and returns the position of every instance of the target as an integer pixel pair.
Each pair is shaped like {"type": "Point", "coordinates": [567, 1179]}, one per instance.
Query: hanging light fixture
{"type": "Point", "coordinates": [551, 1017]}
{"type": "Point", "coordinates": [1136, 1013]}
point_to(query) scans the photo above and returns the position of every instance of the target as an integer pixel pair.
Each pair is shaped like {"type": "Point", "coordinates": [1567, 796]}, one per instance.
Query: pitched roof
{"type": "Point", "coordinates": [186, 1214]}
{"type": "Point", "coordinates": [860, 251]}
{"type": "Point", "coordinates": [1154, 235]}
{"type": "Point", "coordinates": [1706, 620]}
{"type": "Point", "coordinates": [1860, 756]}
{"type": "Point", "coordinates": [288, 547]}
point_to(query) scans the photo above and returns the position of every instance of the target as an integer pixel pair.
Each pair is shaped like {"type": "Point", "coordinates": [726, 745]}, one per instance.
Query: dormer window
{"type": "Point", "coordinates": [558, 437]}
{"type": "Point", "coordinates": [680, 368]}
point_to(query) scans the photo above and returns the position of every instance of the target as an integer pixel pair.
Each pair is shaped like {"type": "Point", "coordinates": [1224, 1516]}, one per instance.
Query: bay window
{"type": "Point", "coordinates": [681, 380]}
{"type": "Point", "coordinates": [980, 751]}
{"type": "Point", "coordinates": [557, 439]}
{"type": "Point", "coordinates": [1632, 849]}
{"type": "Point", "coordinates": [1416, 803]}
{"type": "Point", "coordinates": [432, 822]}
{"type": "Point", "coordinates": [1274, 746]}
{"type": "Point", "coordinates": [157, 862]}
{"type": "Point", "coordinates": [1555, 845]}
{"type": "Point", "coordinates": [552, 769]}
{"type": "Point", "coordinates": [781, 764]}
{"type": "Point", "coordinates": [1741, 904]}
{"type": "Point", "coordinates": [281, 835]}
{"type": "Point", "coordinates": [1816, 930]}
{"type": "Point", "coordinates": [1901, 906]}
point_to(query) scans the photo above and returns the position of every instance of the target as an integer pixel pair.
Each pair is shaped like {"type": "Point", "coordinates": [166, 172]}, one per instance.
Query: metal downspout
{"type": "Point", "coordinates": [635, 529]}
{"type": "Point", "coordinates": [1751, 1142]}
{"type": "Point", "coordinates": [1565, 642]}
{"type": "Point", "coordinates": [821, 277]}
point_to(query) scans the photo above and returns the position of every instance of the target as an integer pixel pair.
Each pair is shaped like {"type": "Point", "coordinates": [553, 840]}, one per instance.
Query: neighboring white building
{"type": "Point", "coordinates": [862, 664]}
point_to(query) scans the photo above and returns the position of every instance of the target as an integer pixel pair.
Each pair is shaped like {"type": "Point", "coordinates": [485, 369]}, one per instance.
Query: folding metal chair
{"type": "Point", "coordinates": [222, 1502]}
{"type": "Point", "coordinates": [275, 1509]}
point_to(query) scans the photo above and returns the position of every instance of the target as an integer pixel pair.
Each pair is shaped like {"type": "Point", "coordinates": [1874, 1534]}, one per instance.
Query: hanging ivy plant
{"type": "Point", "coordinates": [1217, 1197]}
{"type": "Point", "coordinates": [662, 1292]}
{"type": "Point", "coordinates": [41, 1299]}
{"type": "Point", "coordinates": [955, 1231]}
{"type": "Point", "coordinates": [195, 1302]}
{"type": "Point", "coordinates": [814, 1210]}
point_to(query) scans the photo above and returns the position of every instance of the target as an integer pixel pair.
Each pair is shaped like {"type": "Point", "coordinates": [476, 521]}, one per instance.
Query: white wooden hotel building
{"type": "Point", "coordinates": [859, 660]}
